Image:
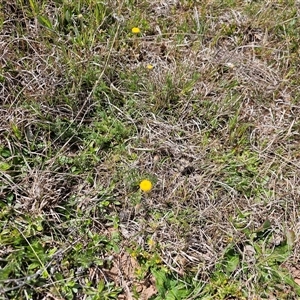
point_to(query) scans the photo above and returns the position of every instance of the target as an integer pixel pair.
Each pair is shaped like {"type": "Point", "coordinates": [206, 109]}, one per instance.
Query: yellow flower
{"type": "Point", "coordinates": [135, 30]}
{"type": "Point", "coordinates": [146, 185]}
{"type": "Point", "coordinates": [158, 260]}
{"type": "Point", "coordinates": [151, 243]}
{"type": "Point", "coordinates": [149, 67]}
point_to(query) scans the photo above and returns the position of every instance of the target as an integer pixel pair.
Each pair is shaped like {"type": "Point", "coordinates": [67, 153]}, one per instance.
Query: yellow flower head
{"type": "Point", "coordinates": [135, 30]}
{"type": "Point", "coordinates": [151, 243]}
{"type": "Point", "coordinates": [146, 185]}
{"type": "Point", "coordinates": [150, 67]}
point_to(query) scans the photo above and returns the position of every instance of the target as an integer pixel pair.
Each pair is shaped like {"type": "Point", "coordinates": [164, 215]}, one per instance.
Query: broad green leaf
{"type": "Point", "coordinates": [170, 296]}
{"type": "Point", "coordinates": [33, 266]}
{"type": "Point", "coordinates": [267, 225]}
{"type": "Point", "coordinates": [160, 278]}
{"type": "Point", "coordinates": [232, 263]}
{"type": "Point", "coordinates": [4, 166]}
{"type": "Point", "coordinates": [4, 152]}
{"type": "Point", "coordinates": [101, 286]}
{"type": "Point", "coordinates": [279, 254]}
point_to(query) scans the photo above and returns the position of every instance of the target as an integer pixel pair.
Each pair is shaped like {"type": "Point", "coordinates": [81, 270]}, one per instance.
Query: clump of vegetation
{"type": "Point", "coordinates": [149, 150]}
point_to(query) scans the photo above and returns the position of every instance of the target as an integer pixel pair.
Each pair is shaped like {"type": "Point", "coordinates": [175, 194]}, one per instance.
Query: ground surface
{"type": "Point", "coordinates": [201, 99]}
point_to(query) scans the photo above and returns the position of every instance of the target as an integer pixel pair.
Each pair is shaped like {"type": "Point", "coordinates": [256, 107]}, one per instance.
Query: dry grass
{"type": "Point", "coordinates": [215, 124]}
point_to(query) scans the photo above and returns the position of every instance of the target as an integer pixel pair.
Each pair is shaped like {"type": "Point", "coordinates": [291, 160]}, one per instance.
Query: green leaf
{"type": "Point", "coordinates": [160, 278]}
{"type": "Point", "coordinates": [4, 152]}
{"type": "Point", "coordinates": [52, 251]}
{"type": "Point", "coordinates": [290, 281]}
{"type": "Point", "coordinates": [178, 292]}
{"type": "Point", "coordinates": [4, 166]}
{"type": "Point", "coordinates": [170, 296]}
{"type": "Point", "coordinates": [267, 225]}
{"type": "Point", "coordinates": [43, 20]}
{"type": "Point", "coordinates": [16, 131]}
{"type": "Point", "coordinates": [45, 274]}
{"type": "Point", "coordinates": [33, 266]}
{"type": "Point", "coordinates": [231, 260]}
{"type": "Point", "coordinates": [34, 6]}
{"type": "Point", "coordinates": [101, 286]}
{"type": "Point", "coordinates": [232, 263]}
{"type": "Point", "coordinates": [279, 254]}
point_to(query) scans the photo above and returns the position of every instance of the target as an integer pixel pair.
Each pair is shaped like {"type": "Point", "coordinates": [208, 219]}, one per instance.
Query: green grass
{"type": "Point", "coordinates": [214, 126]}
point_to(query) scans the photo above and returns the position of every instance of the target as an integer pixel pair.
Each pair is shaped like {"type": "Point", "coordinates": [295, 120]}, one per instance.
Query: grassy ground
{"type": "Point", "coordinates": [201, 99]}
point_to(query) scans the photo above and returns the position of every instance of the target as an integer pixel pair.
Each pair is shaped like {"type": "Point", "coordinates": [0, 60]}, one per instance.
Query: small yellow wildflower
{"type": "Point", "coordinates": [146, 185]}
{"type": "Point", "coordinates": [135, 30]}
{"type": "Point", "coordinates": [149, 67]}
{"type": "Point", "coordinates": [134, 254]}
{"type": "Point", "coordinates": [151, 243]}
{"type": "Point", "coordinates": [158, 260]}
